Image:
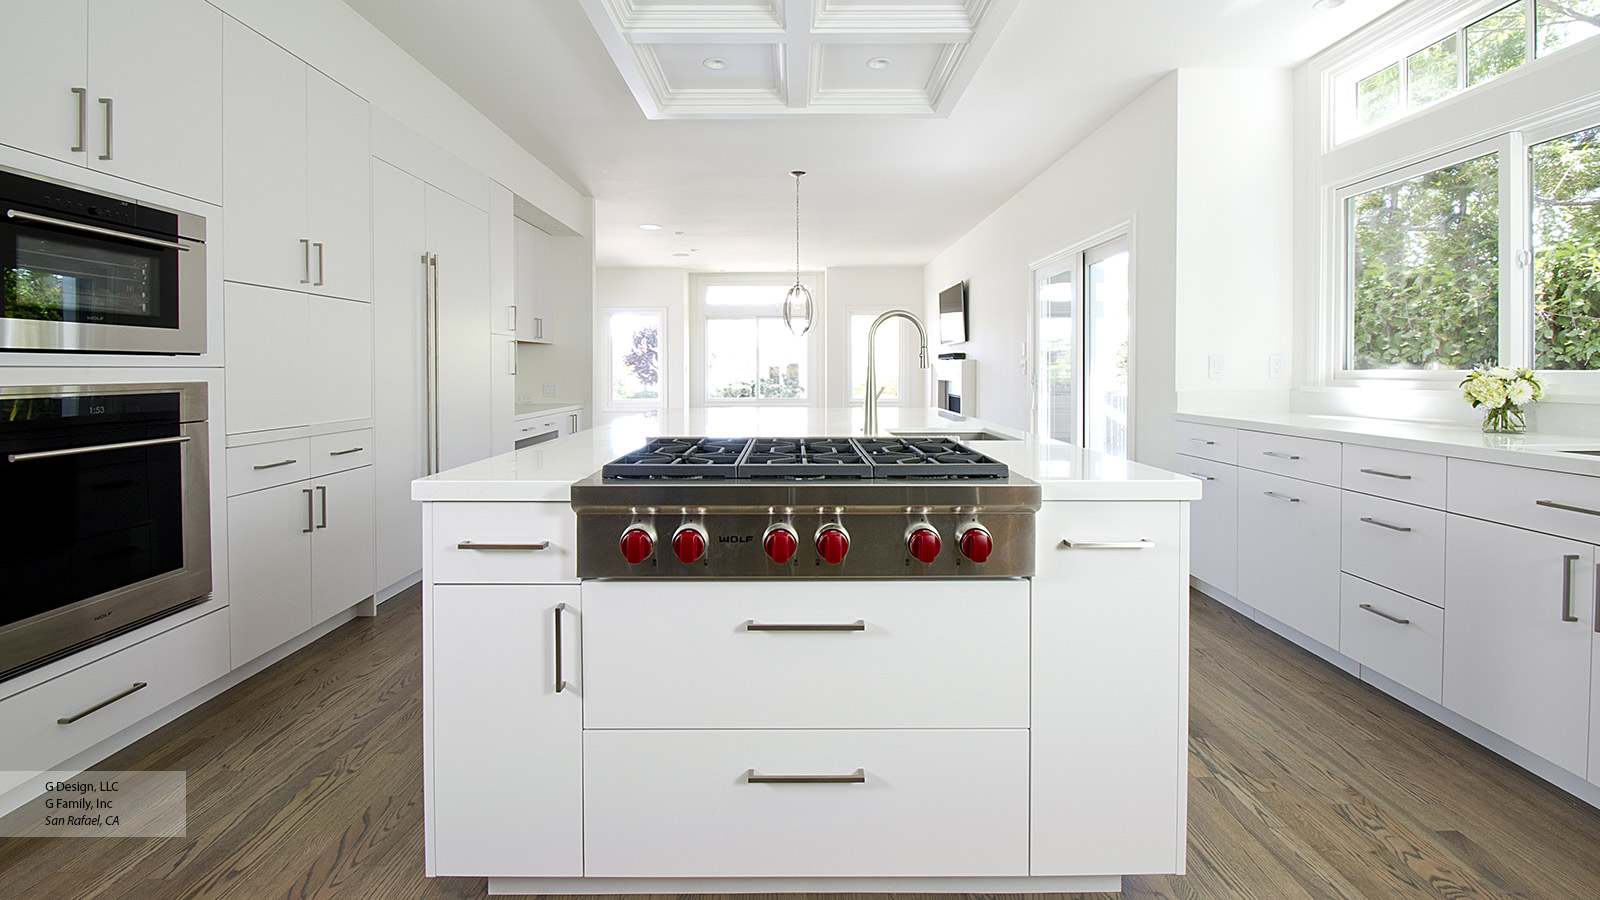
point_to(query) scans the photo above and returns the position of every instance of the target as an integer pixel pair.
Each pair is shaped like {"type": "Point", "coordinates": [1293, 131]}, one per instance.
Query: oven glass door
{"type": "Point", "coordinates": [85, 514]}
{"type": "Point", "coordinates": [55, 273]}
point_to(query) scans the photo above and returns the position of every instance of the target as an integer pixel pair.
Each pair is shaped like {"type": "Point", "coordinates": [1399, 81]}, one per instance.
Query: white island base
{"type": "Point", "coordinates": [1004, 735]}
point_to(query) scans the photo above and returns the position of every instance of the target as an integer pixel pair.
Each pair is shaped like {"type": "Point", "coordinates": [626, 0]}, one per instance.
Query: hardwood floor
{"type": "Point", "coordinates": [306, 782]}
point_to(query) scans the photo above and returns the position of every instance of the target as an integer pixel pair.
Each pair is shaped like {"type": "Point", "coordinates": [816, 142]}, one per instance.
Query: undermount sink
{"type": "Point", "coordinates": [953, 434]}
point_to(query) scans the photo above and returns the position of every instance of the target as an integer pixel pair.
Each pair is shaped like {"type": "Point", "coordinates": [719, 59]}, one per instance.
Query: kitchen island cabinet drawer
{"type": "Point", "coordinates": [503, 543]}
{"type": "Point", "coordinates": [803, 655]}
{"type": "Point", "coordinates": [1396, 636]}
{"type": "Point", "coordinates": [1396, 474]}
{"type": "Point", "coordinates": [880, 803]}
{"type": "Point", "coordinates": [1214, 442]}
{"type": "Point", "coordinates": [1394, 544]}
{"type": "Point", "coordinates": [1556, 503]}
{"type": "Point", "coordinates": [138, 681]}
{"type": "Point", "coordinates": [1308, 459]}
{"type": "Point", "coordinates": [259, 466]}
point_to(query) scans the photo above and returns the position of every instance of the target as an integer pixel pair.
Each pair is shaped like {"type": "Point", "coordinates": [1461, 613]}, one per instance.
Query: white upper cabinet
{"type": "Point", "coordinates": [502, 261]}
{"type": "Point", "coordinates": [131, 89]}
{"type": "Point", "coordinates": [533, 291]}
{"type": "Point", "coordinates": [297, 184]}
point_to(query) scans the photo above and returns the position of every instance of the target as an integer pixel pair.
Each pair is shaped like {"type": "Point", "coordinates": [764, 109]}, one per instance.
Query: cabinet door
{"type": "Point", "coordinates": [503, 395]}
{"type": "Point", "coordinates": [399, 403]}
{"type": "Point", "coordinates": [269, 361]}
{"type": "Point", "coordinates": [343, 543]}
{"type": "Point", "coordinates": [1213, 523]}
{"type": "Point", "coordinates": [1594, 692]}
{"type": "Point", "coordinates": [42, 58]}
{"type": "Point", "coordinates": [264, 162]}
{"type": "Point", "coordinates": [1518, 636]}
{"type": "Point", "coordinates": [458, 236]}
{"type": "Point", "coordinates": [339, 184]}
{"type": "Point", "coordinates": [1096, 708]}
{"type": "Point", "coordinates": [506, 747]}
{"type": "Point", "coordinates": [159, 62]}
{"type": "Point", "coordinates": [533, 314]}
{"type": "Point", "coordinates": [340, 341]}
{"type": "Point", "coordinates": [269, 567]}
{"type": "Point", "coordinates": [1289, 552]}
{"type": "Point", "coordinates": [502, 260]}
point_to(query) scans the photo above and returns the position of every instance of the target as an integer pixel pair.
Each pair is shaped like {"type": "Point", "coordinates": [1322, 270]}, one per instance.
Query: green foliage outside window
{"type": "Point", "coordinates": [1497, 43]}
{"type": "Point", "coordinates": [1566, 242]}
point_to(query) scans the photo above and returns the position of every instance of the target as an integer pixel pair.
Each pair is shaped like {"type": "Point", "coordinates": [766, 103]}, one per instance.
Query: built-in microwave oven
{"type": "Point", "coordinates": [90, 272]}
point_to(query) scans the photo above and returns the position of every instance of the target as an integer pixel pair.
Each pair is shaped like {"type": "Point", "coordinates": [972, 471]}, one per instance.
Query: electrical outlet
{"type": "Point", "coordinates": [549, 388]}
{"type": "Point", "coordinates": [1275, 365]}
{"type": "Point", "coordinates": [524, 398]}
{"type": "Point", "coordinates": [1214, 366]}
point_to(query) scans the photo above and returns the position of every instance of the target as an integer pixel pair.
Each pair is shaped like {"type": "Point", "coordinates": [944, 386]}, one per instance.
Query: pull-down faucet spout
{"type": "Point", "coordinates": [871, 426]}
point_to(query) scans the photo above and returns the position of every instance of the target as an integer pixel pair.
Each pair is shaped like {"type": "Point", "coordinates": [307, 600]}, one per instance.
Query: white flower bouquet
{"type": "Point", "coordinates": [1502, 392]}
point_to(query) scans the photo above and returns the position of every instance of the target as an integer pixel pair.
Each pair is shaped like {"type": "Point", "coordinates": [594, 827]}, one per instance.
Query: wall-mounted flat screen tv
{"type": "Point", "coordinates": [953, 314]}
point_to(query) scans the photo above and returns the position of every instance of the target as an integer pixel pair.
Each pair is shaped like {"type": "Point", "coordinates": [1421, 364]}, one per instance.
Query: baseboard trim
{"type": "Point", "coordinates": [1000, 884]}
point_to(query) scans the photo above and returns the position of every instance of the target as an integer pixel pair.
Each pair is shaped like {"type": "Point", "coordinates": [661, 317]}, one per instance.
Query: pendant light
{"type": "Point", "coordinates": [797, 304]}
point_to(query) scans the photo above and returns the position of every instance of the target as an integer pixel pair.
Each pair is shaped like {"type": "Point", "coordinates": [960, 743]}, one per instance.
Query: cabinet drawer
{"type": "Point", "coordinates": [1289, 552]}
{"type": "Point", "coordinates": [507, 543]}
{"type": "Point", "coordinates": [171, 665]}
{"type": "Point", "coordinates": [268, 465]}
{"type": "Point", "coordinates": [1410, 651]}
{"type": "Point", "coordinates": [680, 803]}
{"type": "Point", "coordinates": [338, 452]}
{"type": "Point", "coordinates": [954, 655]}
{"type": "Point", "coordinates": [1209, 441]}
{"type": "Point", "coordinates": [1397, 545]}
{"type": "Point", "coordinates": [1214, 523]}
{"type": "Point", "coordinates": [1305, 458]}
{"type": "Point", "coordinates": [1397, 474]}
{"type": "Point", "coordinates": [1552, 502]}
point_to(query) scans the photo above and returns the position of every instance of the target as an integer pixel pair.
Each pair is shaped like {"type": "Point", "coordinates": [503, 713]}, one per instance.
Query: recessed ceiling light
{"type": "Point", "coordinates": [1328, 4]}
{"type": "Point", "coordinates": [650, 227]}
{"type": "Point", "coordinates": [883, 62]}
{"type": "Point", "coordinates": [714, 62]}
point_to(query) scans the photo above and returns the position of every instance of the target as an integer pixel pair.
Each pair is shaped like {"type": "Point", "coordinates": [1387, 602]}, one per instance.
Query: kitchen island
{"type": "Point", "coordinates": [957, 734]}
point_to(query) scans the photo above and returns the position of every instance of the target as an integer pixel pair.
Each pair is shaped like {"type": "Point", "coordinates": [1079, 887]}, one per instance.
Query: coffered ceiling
{"type": "Point", "coordinates": [748, 58]}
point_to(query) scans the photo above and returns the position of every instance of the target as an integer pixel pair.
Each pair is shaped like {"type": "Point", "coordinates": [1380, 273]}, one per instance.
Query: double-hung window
{"type": "Point", "coordinates": [633, 354]}
{"type": "Point", "coordinates": [744, 352]}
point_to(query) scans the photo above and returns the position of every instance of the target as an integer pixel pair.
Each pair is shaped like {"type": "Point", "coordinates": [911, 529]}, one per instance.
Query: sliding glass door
{"type": "Point", "coordinates": [1082, 334]}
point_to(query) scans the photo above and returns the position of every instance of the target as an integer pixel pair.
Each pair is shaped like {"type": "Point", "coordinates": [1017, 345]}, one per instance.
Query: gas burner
{"type": "Point", "coordinates": [807, 459]}
{"type": "Point", "coordinates": [680, 458]}
{"type": "Point", "coordinates": [929, 458]}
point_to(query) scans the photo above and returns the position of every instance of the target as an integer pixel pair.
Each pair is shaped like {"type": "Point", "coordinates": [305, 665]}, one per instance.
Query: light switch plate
{"type": "Point", "coordinates": [1214, 366]}
{"type": "Point", "coordinates": [549, 388]}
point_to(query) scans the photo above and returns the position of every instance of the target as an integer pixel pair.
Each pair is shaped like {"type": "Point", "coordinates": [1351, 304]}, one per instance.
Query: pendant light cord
{"type": "Point", "coordinates": [797, 226]}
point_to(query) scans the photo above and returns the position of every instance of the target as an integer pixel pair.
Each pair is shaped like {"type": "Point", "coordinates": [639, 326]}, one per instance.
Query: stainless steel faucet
{"type": "Point", "coordinates": [871, 425]}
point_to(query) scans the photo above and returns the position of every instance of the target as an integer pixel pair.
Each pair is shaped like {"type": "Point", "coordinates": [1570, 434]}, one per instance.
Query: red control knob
{"type": "Point", "coordinates": [780, 544]}
{"type": "Point", "coordinates": [637, 545]}
{"type": "Point", "coordinates": [689, 544]}
{"type": "Point", "coordinates": [976, 544]}
{"type": "Point", "coordinates": [833, 544]}
{"type": "Point", "coordinates": [924, 544]}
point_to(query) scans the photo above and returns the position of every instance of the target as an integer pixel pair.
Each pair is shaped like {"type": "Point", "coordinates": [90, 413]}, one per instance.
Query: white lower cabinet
{"type": "Point", "coordinates": [295, 359]}
{"type": "Point", "coordinates": [1396, 636]}
{"type": "Point", "coordinates": [1213, 522]}
{"type": "Point", "coordinates": [1519, 641]}
{"type": "Point", "coordinates": [1289, 552]}
{"type": "Point", "coordinates": [505, 746]}
{"type": "Point", "coordinates": [1594, 698]}
{"type": "Point", "coordinates": [884, 803]}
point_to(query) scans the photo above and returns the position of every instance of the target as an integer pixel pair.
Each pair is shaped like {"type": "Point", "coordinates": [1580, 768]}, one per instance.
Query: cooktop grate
{"type": "Point", "coordinates": [814, 458]}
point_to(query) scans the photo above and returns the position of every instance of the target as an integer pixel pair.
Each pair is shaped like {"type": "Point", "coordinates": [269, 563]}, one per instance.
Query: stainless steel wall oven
{"type": "Point", "coordinates": [107, 518]}
{"type": "Point", "coordinates": [81, 271]}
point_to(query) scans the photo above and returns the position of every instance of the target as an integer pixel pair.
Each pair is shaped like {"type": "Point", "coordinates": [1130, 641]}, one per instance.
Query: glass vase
{"type": "Point", "coordinates": [1508, 419]}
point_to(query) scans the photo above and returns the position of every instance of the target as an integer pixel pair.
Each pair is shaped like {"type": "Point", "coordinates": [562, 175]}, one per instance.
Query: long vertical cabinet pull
{"type": "Point", "coordinates": [322, 492]}
{"type": "Point", "coordinates": [305, 244]}
{"type": "Point", "coordinates": [311, 512]}
{"type": "Point", "coordinates": [433, 374]}
{"type": "Point", "coordinates": [83, 117]}
{"type": "Point", "coordinates": [429, 337]}
{"type": "Point", "coordinates": [1566, 587]}
{"type": "Point", "coordinates": [318, 282]}
{"type": "Point", "coordinates": [512, 365]}
{"type": "Point", "coordinates": [1597, 599]}
{"type": "Point", "coordinates": [106, 101]}
{"type": "Point", "coordinates": [561, 683]}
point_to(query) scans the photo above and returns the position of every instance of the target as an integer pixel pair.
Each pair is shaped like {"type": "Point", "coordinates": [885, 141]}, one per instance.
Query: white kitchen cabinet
{"type": "Point", "coordinates": [1397, 545]}
{"type": "Point", "coordinates": [1111, 591]}
{"type": "Point", "coordinates": [503, 260]}
{"type": "Point", "coordinates": [295, 166]}
{"type": "Point", "coordinates": [1519, 636]}
{"type": "Point", "coordinates": [343, 543]}
{"type": "Point", "coordinates": [1213, 522]}
{"type": "Point", "coordinates": [295, 359]}
{"type": "Point", "coordinates": [1397, 636]}
{"type": "Point", "coordinates": [1594, 698]}
{"type": "Point", "coordinates": [1289, 552]}
{"type": "Point", "coordinates": [339, 334]}
{"type": "Point", "coordinates": [532, 284]}
{"type": "Point", "coordinates": [131, 89]}
{"type": "Point", "coordinates": [506, 748]}
{"type": "Point", "coordinates": [502, 394]}
{"type": "Point", "coordinates": [458, 242]}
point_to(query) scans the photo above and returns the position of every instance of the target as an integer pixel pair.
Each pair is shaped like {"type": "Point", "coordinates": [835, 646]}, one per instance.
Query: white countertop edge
{"type": "Point", "coordinates": [1533, 450]}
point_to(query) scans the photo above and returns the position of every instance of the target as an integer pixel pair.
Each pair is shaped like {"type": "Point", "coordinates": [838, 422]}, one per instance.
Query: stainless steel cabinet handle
{"type": "Point", "coordinates": [1566, 587]}
{"type": "Point", "coordinates": [1382, 474]}
{"type": "Point", "coordinates": [538, 327]}
{"type": "Point", "coordinates": [137, 687]}
{"type": "Point", "coordinates": [857, 625]}
{"type": "Point", "coordinates": [311, 512]}
{"type": "Point", "coordinates": [1277, 496]}
{"type": "Point", "coordinates": [427, 363]}
{"type": "Point", "coordinates": [305, 243]}
{"type": "Point", "coordinates": [1107, 545]}
{"type": "Point", "coordinates": [322, 493]}
{"type": "Point", "coordinates": [83, 116]}
{"type": "Point", "coordinates": [561, 683]}
{"type": "Point", "coordinates": [512, 356]}
{"type": "Point", "coordinates": [859, 776]}
{"type": "Point", "coordinates": [344, 452]}
{"type": "Point", "coordinates": [97, 448]}
{"type": "Point", "coordinates": [474, 545]}
{"type": "Point", "coordinates": [1203, 477]}
{"type": "Point", "coordinates": [1577, 509]}
{"type": "Point", "coordinates": [1276, 454]}
{"type": "Point", "coordinates": [281, 462]}
{"type": "Point", "coordinates": [511, 318]}
{"type": "Point", "coordinates": [1597, 599]}
{"type": "Point", "coordinates": [318, 282]}
{"type": "Point", "coordinates": [1378, 612]}
{"type": "Point", "coordinates": [1202, 441]}
{"type": "Point", "coordinates": [1381, 524]}
{"type": "Point", "coordinates": [574, 417]}
{"type": "Point", "coordinates": [433, 263]}
{"type": "Point", "coordinates": [107, 102]}
{"type": "Point", "coordinates": [95, 229]}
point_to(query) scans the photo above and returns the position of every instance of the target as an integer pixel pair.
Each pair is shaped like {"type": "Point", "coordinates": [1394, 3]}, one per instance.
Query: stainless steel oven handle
{"type": "Point", "coordinates": [97, 448]}
{"type": "Point", "coordinates": [137, 687]}
{"type": "Point", "coordinates": [95, 229]}
{"type": "Point", "coordinates": [83, 117]}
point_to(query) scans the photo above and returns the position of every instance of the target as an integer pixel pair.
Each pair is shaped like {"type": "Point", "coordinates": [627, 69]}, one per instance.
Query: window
{"type": "Point", "coordinates": [1081, 327]}
{"type": "Point", "coordinates": [743, 352]}
{"type": "Point", "coordinates": [634, 357]}
{"type": "Point", "coordinates": [889, 371]}
{"type": "Point", "coordinates": [1566, 251]}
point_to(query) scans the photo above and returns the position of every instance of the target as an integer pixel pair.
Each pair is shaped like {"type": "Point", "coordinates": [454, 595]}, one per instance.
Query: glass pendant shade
{"type": "Point", "coordinates": [797, 309]}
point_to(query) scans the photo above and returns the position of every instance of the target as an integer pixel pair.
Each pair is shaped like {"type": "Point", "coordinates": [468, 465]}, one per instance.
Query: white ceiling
{"type": "Point", "coordinates": [882, 190]}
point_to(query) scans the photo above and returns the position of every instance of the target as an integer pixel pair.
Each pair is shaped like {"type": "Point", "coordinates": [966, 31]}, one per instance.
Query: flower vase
{"type": "Point", "coordinates": [1507, 419]}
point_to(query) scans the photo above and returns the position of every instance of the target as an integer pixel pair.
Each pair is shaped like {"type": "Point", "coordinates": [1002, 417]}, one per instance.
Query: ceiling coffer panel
{"type": "Point", "coordinates": [767, 58]}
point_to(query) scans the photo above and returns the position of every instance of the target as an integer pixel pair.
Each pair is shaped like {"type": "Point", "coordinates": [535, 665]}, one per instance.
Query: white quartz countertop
{"type": "Point", "coordinates": [535, 409]}
{"type": "Point", "coordinates": [1532, 450]}
{"type": "Point", "coordinates": [546, 471]}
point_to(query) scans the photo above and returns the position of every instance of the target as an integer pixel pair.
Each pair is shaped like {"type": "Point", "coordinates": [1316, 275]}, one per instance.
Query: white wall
{"type": "Point", "coordinates": [666, 288]}
{"type": "Point", "coordinates": [875, 288]}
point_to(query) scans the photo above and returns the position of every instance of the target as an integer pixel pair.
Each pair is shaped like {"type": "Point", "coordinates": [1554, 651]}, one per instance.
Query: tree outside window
{"type": "Point", "coordinates": [635, 357]}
